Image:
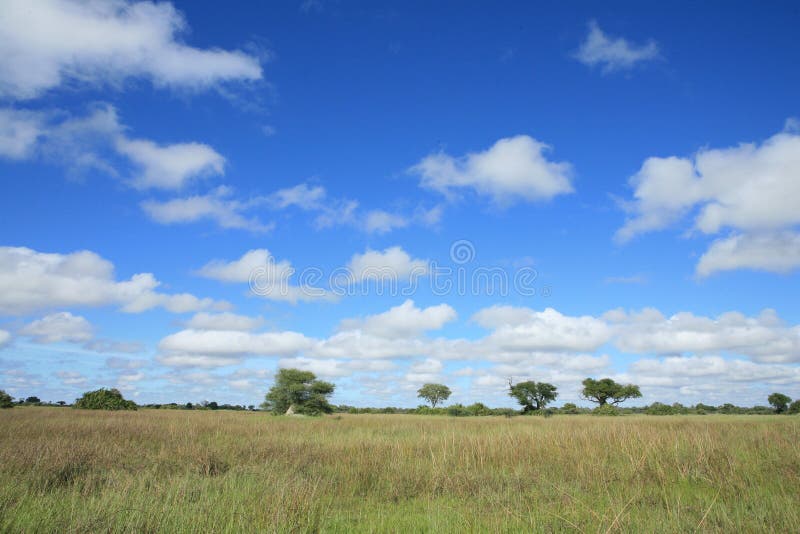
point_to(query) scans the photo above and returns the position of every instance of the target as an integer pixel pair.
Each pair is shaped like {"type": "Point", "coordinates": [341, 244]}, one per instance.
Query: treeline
{"type": "Point", "coordinates": [298, 392]}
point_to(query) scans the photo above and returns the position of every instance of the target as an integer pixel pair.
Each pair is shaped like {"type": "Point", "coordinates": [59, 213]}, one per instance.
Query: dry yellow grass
{"type": "Point", "coordinates": [64, 470]}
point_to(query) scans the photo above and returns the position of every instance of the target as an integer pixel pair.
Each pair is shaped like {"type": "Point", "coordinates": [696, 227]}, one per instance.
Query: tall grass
{"type": "Point", "coordinates": [165, 471]}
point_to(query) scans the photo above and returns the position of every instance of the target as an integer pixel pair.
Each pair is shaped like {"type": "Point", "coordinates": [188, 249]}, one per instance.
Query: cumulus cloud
{"type": "Point", "coordinates": [777, 252]}
{"type": "Point", "coordinates": [59, 327]}
{"type": "Point", "coordinates": [170, 166]}
{"type": "Point", "coordinates": [210, 348]}
{"type": "Point", "coordinates": [613, 53]}
{"type": "Point", "coordinates": [763, 338]}
{"type": "Point", "coordinates": [392, 264]}
{"type": "Point", "coordinates": [98, 141]}
{"type": "Point", "coordinates": [513, 169]}
{"type": "Point", "coordinates": [267, 277]}
{"type": "Point", "coordinates": [217, 206]}
{"type": "Point", "coordinates": [31, 281]}
{"type": "Point", "coordinates": [405, 320]}
{"type": "Point", "coordinates": [223, 321]}
{"type": "Point", "coordinates": [750, 188]}
{"type": "Point", "coordinates": [104, 44]}
{"type": "Point", "coordinates": [522, 329]}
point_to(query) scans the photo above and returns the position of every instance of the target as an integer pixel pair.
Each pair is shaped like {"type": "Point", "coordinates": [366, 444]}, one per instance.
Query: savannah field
{"type": "Point", "coordinates": [66, 470]}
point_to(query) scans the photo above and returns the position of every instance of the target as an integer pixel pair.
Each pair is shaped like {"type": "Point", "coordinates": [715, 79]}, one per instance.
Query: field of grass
{"type": "Point", "coordinates": [65, 470]}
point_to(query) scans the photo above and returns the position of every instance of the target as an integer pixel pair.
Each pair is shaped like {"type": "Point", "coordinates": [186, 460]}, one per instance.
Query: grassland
{"type": "Point", "coordinates": [64, 470]}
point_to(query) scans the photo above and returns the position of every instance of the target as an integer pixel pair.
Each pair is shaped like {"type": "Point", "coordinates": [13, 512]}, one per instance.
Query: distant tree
{"type": "Point", "coordinates": [61, 403]}
{"type": "Point", "coordinates": [212, 405]}
{"type": "Point", "coordinates": [189, 406]}
{"type": "Point", "coordinates": [794, 408]}
{"type": "Point", "coordinates": [569, 408]}
{"type": "Point", "coordinates": [33, 400]}
{"type": "Point", "coordinates": [532, 395]}
{"type": "Point", "coordinates": [434, 393]}
{"type": "Point", "coordinates": [606, 391]}
{"type": "Point", "coordinates": [300, 391]}
{"type": "Point", "coordinates": [104, 399]}
{"type": "Point", "coordinates": [5, 400]}
{"type": "Point", "coordinates": [251, 407]}
{"type": "Point", "coordinates": [779, 401]}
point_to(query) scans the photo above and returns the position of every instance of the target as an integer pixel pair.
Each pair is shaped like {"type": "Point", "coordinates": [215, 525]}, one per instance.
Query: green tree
{"type": "Point", "coordinates": [794, 408]}
{"type": "Point", "coordinates": [104, 399]}
{"type": "Point", "coordinates": [5, 400]}
{"type": "Point", "coordinates": [434, 393]}
{"type": "Point", "coordinates": [606, 391]}
{"type": "Point", "coordinates": [532, 395]}
{"type": "Point", "coordinates": [33, 400]}
{"type": "Point", "coordinates": [570, 408]}
{"type": "Point", "coordinates": [779, 401]}
{"type": "Point", "coordinates": [300, 391]}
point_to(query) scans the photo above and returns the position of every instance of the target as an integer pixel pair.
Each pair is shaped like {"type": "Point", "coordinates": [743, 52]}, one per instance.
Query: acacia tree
{"type": "Point", "coordinates": [779, 401]}
{"type": "Point", "coordinates": [605, 391]}
{"type": "Point", "coordinates": [434, 393]}
{"type": "Point", "coordinates": [532, 395]}
{"type": "Point", "coordinates": [300, 391]}
{"type": "Point", "coordinates": [5, 400]}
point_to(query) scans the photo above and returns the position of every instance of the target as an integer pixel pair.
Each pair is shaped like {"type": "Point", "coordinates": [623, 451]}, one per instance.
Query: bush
{"type": "Point", "coordinates": [606, 409]}
{"type": "Point", "coordinates": [104, 399]}
{"type": "Point", "coordinates": [658, 408]}
{"type": "Point", "coordinates": [569, 408]}
{"type": "Point", "coordinates": [5, 400]}
{"type": "Point", "coordinates": [794, 408]}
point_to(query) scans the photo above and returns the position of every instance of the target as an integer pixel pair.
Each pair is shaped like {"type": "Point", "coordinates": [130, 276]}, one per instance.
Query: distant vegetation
{"type": "Point", "coordinates": [306, 395]}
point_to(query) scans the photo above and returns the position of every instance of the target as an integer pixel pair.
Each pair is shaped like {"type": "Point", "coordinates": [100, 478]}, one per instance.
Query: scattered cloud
{"type": "Point", "coordinates": [171, 166]}
{"type": "Point", "coordinates": [613, 53]}
{"type": "Point", "coordinates": [223, 321]}
{"type": "Point", "coordinates": [217, 206]}
{"type": "Point", "coordinates": [391, 264]}
{"type": "Point", "coordinates": [513, 169]}
{"type": "Point", "coordinates": [405, 320]}
{"type": "Point", "coordinates": [105, 44]}
{"type": "Point", "coordinates": [750, 189]}
{"type": "Point", "coordinates": [58, 328]}
{"type": "Point", "coordinates": [32, 281]}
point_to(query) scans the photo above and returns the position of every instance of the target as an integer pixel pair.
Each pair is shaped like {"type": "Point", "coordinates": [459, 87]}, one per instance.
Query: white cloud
{"type": "Point", "coordinates": [223, 321]}
{"type": "Point", "coordinates": [763, 338]}
{"type": "Point", "coordinates": [216, 206]}
{"type": "Point", "coordinates": [58, 328]}
{"type": "Point", "coordinates": [749, 188]}
{"type": "Point", "coordinates": [777, 252]}
{"type": "Point", "coordinates": [711, 378]}
{"type": "Point", "coordinates": [19, 132]}
{"type": "Point", "coordinates": [170, 166]}
{"type": "Point", "coordinates": [381, 222]}
{"type": "Point", "coordinates": [513, 169]}
{"type": "Point", "coordinates": [523, 329]}
{"type": "Point", "coordinates": [611, 53]}
{"type": "Point", "coordinates": [31, 280]}
{"type": "Point", "coordinates": [267, 277]}
{"type": "Point", "coordinates": [72, 378]}
{"type": "Point", "coordinates": [230, 343]}
{"type": "Point", "coordinates": [391, 264]}
{"type": "Point", "coordinates": [85, 142]}
{"type": "Point", "coordinates": [113, 346]}
{"type": "Point", "coordinates": [428, 370]}
{"type": "Point", "coordinates": [5, 338]}
{"type": "Point", "coordinates": [105, 43]}
{"type": "Point", "coordinates": [405, 320]}
{"type": "Point", "coordinates": [302, 196]}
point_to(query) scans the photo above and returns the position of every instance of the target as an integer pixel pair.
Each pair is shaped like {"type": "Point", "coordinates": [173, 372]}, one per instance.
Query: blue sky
{"type": "Point", "coordinates": [638, 165]}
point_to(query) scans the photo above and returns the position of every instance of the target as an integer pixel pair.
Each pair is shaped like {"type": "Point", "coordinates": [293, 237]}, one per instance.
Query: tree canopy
{"type": "Point", "coordinates": [779, 401]}
{"type": "Point", "coordinates": [532, 395]}
{"type": "Point", "coordinates": [300, 391]}
{"type": "Point", "coordinates": [104, 399]}
{"type": "Point", "coordinates": [606, 391]}
{"type": "Point", "coordinates": [434, 393]}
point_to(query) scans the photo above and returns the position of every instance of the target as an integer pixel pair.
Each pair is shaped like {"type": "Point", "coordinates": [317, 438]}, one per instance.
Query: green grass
{"type": "Point", "coordinates": [64, 470]}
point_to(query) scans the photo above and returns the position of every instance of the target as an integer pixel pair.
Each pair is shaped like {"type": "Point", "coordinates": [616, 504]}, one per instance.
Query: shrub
{"type": "Point", "coordinates": [5, 400]}
{"type": "Point", "coordinates": [569, 408]}
{"type": "Point", "coordinates": [606, 409]}
{"type": "Point", "coordinates": [658, 408]}
{"type": "Point", "coordinates": [104, 399]}
{"type": "Point", "coordinates": [794, 408]}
